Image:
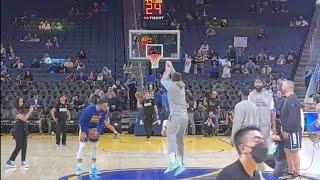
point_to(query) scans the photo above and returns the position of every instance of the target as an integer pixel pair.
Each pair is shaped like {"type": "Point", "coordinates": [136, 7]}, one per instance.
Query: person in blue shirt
{"type": "Point", "coordinates": [92, 122]}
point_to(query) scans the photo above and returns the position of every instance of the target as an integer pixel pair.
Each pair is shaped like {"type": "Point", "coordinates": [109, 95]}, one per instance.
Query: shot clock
{"type": "Point", "coordinates": [153, 9]}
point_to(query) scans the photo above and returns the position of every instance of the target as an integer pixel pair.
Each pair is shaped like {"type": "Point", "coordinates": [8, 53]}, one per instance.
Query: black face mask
{"type": "Point", "coordinates": [259, 152]}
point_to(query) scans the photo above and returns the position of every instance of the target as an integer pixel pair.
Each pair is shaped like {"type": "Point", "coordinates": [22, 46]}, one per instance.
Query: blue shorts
{"type": "Point", "coordinates": [293, 142]}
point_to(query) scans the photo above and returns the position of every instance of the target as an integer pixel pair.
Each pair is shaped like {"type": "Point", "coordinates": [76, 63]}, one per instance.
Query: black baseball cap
{"type": "Point", "coordinates": [245, 91]}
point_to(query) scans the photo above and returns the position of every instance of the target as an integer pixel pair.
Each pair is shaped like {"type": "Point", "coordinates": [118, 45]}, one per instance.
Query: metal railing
{"type": "Point", "coordinates": [314, 53]}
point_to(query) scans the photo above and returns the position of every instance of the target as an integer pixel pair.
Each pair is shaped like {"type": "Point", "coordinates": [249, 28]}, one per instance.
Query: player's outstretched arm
{"type": "Point", "coordinates": [109, 126]}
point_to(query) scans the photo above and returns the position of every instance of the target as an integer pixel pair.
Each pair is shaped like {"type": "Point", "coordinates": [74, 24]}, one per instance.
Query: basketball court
{"type": "Point", "coordinates": [130, 157]}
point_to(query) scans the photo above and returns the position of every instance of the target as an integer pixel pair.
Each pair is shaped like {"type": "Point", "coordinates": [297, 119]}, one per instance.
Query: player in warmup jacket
{"type": "Point", "coordinates": [92, 122]}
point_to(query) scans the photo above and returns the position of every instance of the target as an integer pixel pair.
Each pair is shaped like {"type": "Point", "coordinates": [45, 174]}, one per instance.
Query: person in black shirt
{"type": "Point", "coordinates": [212, 104]}
{"type": "Point", "coordinates": [291, 127]}
{"type": "Point", "coordinates": [149, 110]}
{"type": "Point", "coordinates": [61, 114]}
{"type": "Point", "coordinates": [252, 150]}
{"type": "Point", "coordinates": [20, 133]}
{"type": "Point", "coordinates": [131, 85]}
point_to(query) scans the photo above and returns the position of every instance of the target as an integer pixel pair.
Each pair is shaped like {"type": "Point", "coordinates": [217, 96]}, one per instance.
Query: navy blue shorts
{"type": "Point", "coordinates": [294, 141]}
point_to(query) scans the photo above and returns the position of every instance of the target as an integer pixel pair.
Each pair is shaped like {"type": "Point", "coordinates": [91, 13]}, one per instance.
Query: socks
{"type": "Point", "coordinates": [79, 164]}
{"type": "Point", "coordinates": [180, 160]}
{"type": "Point", "coordinates": [172, 157]}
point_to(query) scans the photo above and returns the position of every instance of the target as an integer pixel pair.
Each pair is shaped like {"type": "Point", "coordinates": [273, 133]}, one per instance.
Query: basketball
{"type": "Point", "coordinates": [138, 95]}
{"type": "Point", "coordinates": [93, 134]}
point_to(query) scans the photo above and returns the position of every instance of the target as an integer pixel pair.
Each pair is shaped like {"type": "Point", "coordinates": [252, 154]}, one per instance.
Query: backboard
{"type": "Point", "coordinates": [165, 42]}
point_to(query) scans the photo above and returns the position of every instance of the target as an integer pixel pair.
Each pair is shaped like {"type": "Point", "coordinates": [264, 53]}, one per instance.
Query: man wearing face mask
{"type": "Point", "coordinates": [252, 150]}
{"type": "Point", "coordinates": [291, 127]}
{"type": "Point", "coordinates": [266, 110]}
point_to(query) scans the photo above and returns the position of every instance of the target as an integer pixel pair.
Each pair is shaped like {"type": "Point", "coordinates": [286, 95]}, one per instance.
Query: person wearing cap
{"type": "Point", "coordinates": [178, 120]}
{"type": "Point", "coordinates": [92, 122]}
{"type": "Point", "coordinates": [245, 113]}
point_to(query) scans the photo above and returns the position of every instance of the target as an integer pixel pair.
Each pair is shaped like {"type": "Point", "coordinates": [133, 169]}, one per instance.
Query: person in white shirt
{"type": "Point", "coordinates": [187, 63]}
{"type": "Point", "coordinates": [204, 47]}
{"type": "Point", "coordinates": [226, 69]}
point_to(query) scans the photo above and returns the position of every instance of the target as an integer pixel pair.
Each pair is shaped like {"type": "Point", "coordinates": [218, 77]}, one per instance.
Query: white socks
{"type": "Point", "coordinates": [172, 157]}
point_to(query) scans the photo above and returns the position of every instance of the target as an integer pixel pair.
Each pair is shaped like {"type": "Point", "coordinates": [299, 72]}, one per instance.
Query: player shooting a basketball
{"type": "Point", "coordinates": [92, 122]}
{"type": "Point", "coordinates": [178, 120]}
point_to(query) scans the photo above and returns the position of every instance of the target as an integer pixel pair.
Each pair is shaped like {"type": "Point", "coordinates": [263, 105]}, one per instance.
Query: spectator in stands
{"type": "Point", "coordinates": [28, 76]}
{"type": "Point", "coordinates": [106, 72]}
{"type": "Point", "coordinates": [261, 58]}
{"type": "Point", "coordinates": [26, 38]}
{"type": "Point", "coordinates": [266, 69]}
{"type": "Point", "coordinates": [240, 56]}
{"type": "Point", "coordinates": [229, 123]}
{"type": "Point", "coordinates": [55, 42]}
{"type": "Point", "coordinates": [4, 69]}
{"type": "Point", "coordinates": [81, 54]}
{"type": "Point", "coordinates": [127, 70]}
{"type": "Point", "coordinates": [301, 22]}
{"type": "Point", "coordinates": [36, 101]}
{"type": "Point", "coordinates": [44, 116]}
{"type": "Point", "coordinates": [131, 85]}
{"type": "Point", "coordinates": [290, 57]}
{"type": "Point", "coordinates": [100, 77]}
{"type": "Point", "coordinates": [104, 7]}
{"type": "Point", "coordinates": [204, 48]}
{"type": "Point", "coordinates": [293, 23]}
{"type": "Point", "coordinates": [79, 65]}
{"type": "Point", "coordinates": [18, 80]}
{"type": "Point", "coordinates": [261, 35]}
{"type": "Point", "coordinates": [116, 87]}
{"type": "Point", "coordinates": [69, 63]}
{"type": "Point", "coordinates": [281, 79]}
{"type": "Point", "coordinates": [35, 64]}
{"type": "Point", "coordinates": [187, 63]}
{"type": "Point", "coordinates": [191, 108]}
{"type": "Point", "coordinates": [46, 58]}
{"type": "Point", "coordinates": [226, 69]}
{"type": "Point", "coordinates": [10, 53]}
{"type": "Point", "coordinates": [279, 102]}
{"type": "Point", "coordinates": [91, 76]}
{"type": "Point", "coordinates": [76, 104]}
{"type": "Point", "coordinates": [17, 64]}
{"type": "Point", "coordinates": [48, 44]}
{"type": "Point", "coordinates": [238, 69]}
{"type": "Point", "coordinates": [3, 51]}
{"type": "Point", "coordinates": [272, 58]}
{"type": "Point", "coordinates": [94, 97]}
{"type": "Point", "coordinates": [250, 66]}
{"type": "Point", "coordinates": [210, 31]}
{"type": "Point", "coordinates": [252, 9]}
{"type": "Point", "coordinates": [199, 64]}
{"type": "Point", "coordinates": [224, 22]}
{"type": "Point", "coordinates": [231, 54]}
{"type": "Point", "coordinates": [210, 125]}
{"type": "Point", "coordinates": [81, 77]}
{"type": "Point", "coordinates": [95, 8]}
{"type": "Point", "coordinates": [109, 93]}
{"type": "Point", "coordinates": [46, 26]}
{"type": "Point", "coordinates": [281, 60]}
{"type": "Point", "coordinates": [63, 69]}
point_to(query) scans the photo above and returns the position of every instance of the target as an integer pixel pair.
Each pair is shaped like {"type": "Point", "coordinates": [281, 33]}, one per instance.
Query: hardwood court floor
{"type": "Point", "coordinates": [49, 162]}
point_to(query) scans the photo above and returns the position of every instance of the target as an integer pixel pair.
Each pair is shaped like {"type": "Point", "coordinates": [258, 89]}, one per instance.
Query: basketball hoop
{"type": "Point", "coordinates": [154, 59]}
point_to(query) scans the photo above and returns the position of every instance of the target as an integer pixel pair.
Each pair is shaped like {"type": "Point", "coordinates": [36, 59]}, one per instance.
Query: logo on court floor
{"type": "Point", "coordinates": [156, 173]}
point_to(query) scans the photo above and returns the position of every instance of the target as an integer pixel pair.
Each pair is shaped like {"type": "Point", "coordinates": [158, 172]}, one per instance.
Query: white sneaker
{"type": "Point", "coordinates": [10, 164]}
{"type": "Point", "coordinates": [24, 165]}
